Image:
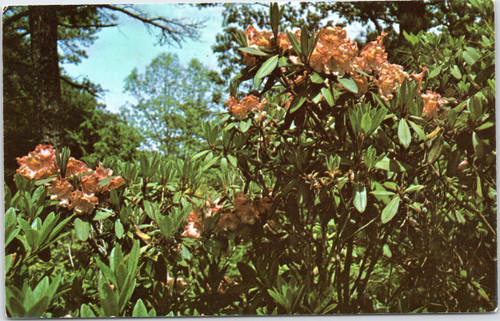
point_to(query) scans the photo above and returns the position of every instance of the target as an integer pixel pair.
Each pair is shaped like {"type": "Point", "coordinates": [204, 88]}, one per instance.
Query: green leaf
{"type": "Point", "coordinates": [355, 119]}
{"type": "Point", "coordinates": [109, 275]}
{"type": "Point", "coordinates": [414, 188]}
{"type": "Point", "coordinates": [39, 307]}
{"type": "Point", "coordinates": [13, 302]}
{"type": "Point", "coordinates": [436, 147]}
{"type": "Point", "coordinates": [390, 210]}
{"type": "Point", "coordinates": [121, 274]}
{"type": "Point", "coordinates": [382, 193]}
{"type": "Point", "coordinates": [245, 125]}
{"type": "Point", "coordinates": [118, 229]}
{"type": "Point", "coordinates": [327, 93]}
{"type": "Point", "coordinates": [478, 145]}
{"type": "Point", "coordinates": [133, 258]}
{"type": "Point", "coordinates": [391, 165]}
{"type": "Point", "coordinates": [166, 227]}
{"type": "Point", "coordinates": [128, 289]}
{"type": "Point", "coordinates": [316, 78]}
{"type": "Point", "coordinates": [486, 125]}
{"type": "Point", "coordinates": [139, 309]}
{"type": "Point", "coordinates": [295, 44]}
{"type": "Point", "coordinates": [241, 37]}
{"type": "Point", "coordinates": [475, 108]}
{"type": "Point", "coordinates": [105, 181]}
{"type": "Point", "coordinates": [349, 84]}
{"type": "Point", "coordinates": [482, 293]}
{"type": "Point", "coordinates": [86, 312]}
{"type": "Point", "coordinates": [102, 214]}
{"type": "Point", "coordinates": [41, 288]}
{"type": "Point", "coordinates": [109, 301]}
{"type": "Point", "coordinates": [275, 16]}
{"type": "Point", "coordinates": [115, 258]}
{"type": "Point", "coordinates": [304, 40]}
{"type": "Point", "coordinates": [44, 181]}
{"type": "Point", "coordinates": [267, 67]}
{"type": "Point", "coordinates": [254, 51]}
{"type": "Point", "coordinates": [32, 236]}
{"type": "Point", "coordinates": [455, 72]}
{"type": "Point", "coordinates": [297, 102]}
{"type": "Point", "coordinates": [378, 118]}
{"type": "Point", "coordinates": [210, 163]}
{"type": "Point", "coordinates": [386, 251]}
{"type": "Point", "coordinates": [360, 198]}
{"type": "Point", "coordinates": [471, 55]}
{"type": "Point", "coordinates": [59, 227]}
{"type": "Point", "coordinates": [366, 123]}
{"type": "Point", "coordinates": [435, 72]}
{"type": "Point", "coordinates": [404, 133]}
{"type": "Point", "coordinates": [418, 129]}
{"type": "Point", "coordinates": [82, 229]}
{"type": "Point", "coordinates": [200, 154]}
{"type": "Point", "coordinates": [233, 160]}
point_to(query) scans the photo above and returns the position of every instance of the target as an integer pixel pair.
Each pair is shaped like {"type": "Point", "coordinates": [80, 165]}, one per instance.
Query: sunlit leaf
{"type": "Point", "coordinates": [390, 210]}
{"type": "Point", "coordinates": [349, 84]}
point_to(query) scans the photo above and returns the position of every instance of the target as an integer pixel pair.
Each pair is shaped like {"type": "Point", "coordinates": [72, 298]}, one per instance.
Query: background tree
{"type": "Point", "coordinates": [172, 103]}
{"type": "Point", "coordinates": [36, 32]}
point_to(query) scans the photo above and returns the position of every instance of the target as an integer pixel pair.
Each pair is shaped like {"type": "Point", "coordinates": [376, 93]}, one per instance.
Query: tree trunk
{"type": "Point", "coordinates": [43, 22]}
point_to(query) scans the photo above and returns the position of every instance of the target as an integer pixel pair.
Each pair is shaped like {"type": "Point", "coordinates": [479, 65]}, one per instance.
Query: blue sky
{"type": "Point", "coordinates": [117, 50]}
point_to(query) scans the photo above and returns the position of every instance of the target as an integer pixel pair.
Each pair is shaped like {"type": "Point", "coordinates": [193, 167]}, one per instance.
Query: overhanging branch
{"type": "Point", "coordinates": [86, 86]}
{"type": "Point", "coordinates": [76, 26]}
{"type": "Point", "coordinates": [171, 29]}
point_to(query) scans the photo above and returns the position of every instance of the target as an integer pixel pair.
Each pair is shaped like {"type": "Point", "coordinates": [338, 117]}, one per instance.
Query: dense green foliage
{"type": "Point", "coordinates": [333, 195]}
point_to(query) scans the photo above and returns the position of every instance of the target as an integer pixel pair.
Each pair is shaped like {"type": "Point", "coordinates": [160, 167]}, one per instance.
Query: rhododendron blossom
{"type": "Point", "coordinates": [213, 207]}
{"type": "Point", "coordinates": [240, 108]}
{"type": "Point", "coordinates": [373, 55]}
{"type": "Point", "coordinates": [432, 103]}
{"type": "Point", "coordinates": [76, 167]}
{"type": "Point", "coordinates": [337, 55]}
{"type": "Point", "coordinates": [39, 164]}
{"type": "Point", "coordinates": [390, 77]}
{"type": "Point", "coordinates": [194, 225]}
{"type": "Point", "coordinates": [83, 203]}
{"type": "Point", "coordinates": [245, 212]}
{"type": "Point", "coordinates": [61, 190]}
{"type": "Point", "coordinates": [336, 52]}
{"type": "Point", "coordinates": [257, 39]}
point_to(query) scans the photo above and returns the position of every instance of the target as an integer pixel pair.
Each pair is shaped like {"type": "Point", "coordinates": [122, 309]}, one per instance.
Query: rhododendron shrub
{"type": "Point", "coordinates": [374, 171]}
{"type": "Point", "coordinates": [343, 184]}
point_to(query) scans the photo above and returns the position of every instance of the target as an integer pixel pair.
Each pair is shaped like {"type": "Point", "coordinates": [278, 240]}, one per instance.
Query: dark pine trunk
{"type": "Point", "coordinates": [43, 23]}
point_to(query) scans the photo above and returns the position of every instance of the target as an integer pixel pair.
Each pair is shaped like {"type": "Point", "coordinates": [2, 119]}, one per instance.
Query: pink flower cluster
{"type": "Point", "coordinates": [432, 103]}
{"type": "Point", "coordinates": [240, 108]}
{"type": "Point", "coordinates": [336, 54]}
{"type": "Point", "coordinates": [41, 164]}
{"type": "Point", "coordinates": [245, 212]}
